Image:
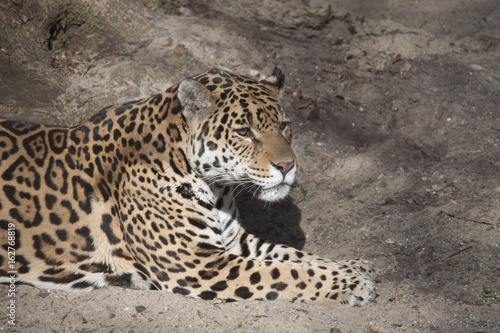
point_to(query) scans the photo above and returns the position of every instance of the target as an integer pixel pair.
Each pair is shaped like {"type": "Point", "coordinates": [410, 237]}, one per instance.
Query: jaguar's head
{"type": "Point", "coordinates": [239, 132]}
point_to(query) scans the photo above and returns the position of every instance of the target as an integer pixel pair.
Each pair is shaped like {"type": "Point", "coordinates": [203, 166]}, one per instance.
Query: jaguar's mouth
{"type": "Point", "coordinates": [274, 193]}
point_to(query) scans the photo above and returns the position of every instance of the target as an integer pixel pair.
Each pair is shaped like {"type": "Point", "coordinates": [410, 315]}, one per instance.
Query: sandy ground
{"type": "Point", "coordinates": [395, 107]}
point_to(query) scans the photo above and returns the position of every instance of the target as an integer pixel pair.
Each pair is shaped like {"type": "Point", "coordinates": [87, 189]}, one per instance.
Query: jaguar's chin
{"type": "Point", "coordinates": [275, 193]}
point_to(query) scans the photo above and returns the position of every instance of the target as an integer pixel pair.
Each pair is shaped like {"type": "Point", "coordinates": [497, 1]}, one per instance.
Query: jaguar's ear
{"type": "Point", "coordinates": [194, 97]}
{"type": "Point", "coordinates": [276, 82]}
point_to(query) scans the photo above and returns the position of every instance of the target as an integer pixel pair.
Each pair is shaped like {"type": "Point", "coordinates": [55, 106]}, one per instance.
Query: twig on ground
{"type": "Point", "coordinates": [468, 219]}
{"type": "Point", "coordinates": [454, 254]}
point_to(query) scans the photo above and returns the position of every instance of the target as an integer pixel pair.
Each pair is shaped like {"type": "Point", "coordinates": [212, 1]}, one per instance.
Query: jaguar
{"type": "Point", "coordinates": [142, 196]}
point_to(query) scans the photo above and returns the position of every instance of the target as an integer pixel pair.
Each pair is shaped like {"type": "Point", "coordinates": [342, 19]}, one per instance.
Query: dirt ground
{"type": "Point", "coordinates": [395, 108]}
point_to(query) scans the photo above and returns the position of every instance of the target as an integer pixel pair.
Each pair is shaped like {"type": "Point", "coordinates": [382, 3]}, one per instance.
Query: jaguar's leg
{"type": "Point", "coordinates": [234, 277]}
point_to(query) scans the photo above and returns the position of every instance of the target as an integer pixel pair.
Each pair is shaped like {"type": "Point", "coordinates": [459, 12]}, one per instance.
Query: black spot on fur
{"type": "Point", "coordinates": [219, 286]}
{"type": "Point", "coordinates": [95, 268]}
{"type": "Point", "coordinates": [212, 145]}
{"type": "Point", "coordinates": [197, 223]}
{"type": "Point", "coordinates": [181, 291]}
{"type": "Point", "coordinates": [301, 285]}
{"type": "Point", "coordinates": [89, 242]}
{"type": "Point", "coordinates": [55, 219]}
{"type": "Point", "coordinates": [57, 140]}
{"type": "Point", "coordinates": [36, 147]}
{"type": "Point", "coordinates": [272, 295]}
{"type": "Point", "coordinates": [82, 193]}
{"type": "Point", "coordinates": [208, 275]}
{"type": "Point", "coordinates": [207, 295]}
{"type": "Point", "coordinates": [61, 280]}
{"type": "Point", "coordinates": [243, 292]}
{"type": "Point", "coordinates": [50, 200]}
{"type": "Point", "coordinates": [19, 128]}
{"type": "Point", "coordinates": [62, 234]}
{"type": "Point", "coordinates": [233, 273]}
{"type": "Point", "coordinates": [280, 286]}
{"type": "Point", "coordinates": [123, 280]}
{"type": "Point", "coordinates": [255, 278]}
{"type": "Point", "coordinates": [106, 227]}
{"type": "Point", "coordinates": [275, 273]}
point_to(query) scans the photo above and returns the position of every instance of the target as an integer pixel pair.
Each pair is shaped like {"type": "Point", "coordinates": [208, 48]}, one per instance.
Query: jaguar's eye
{"type": "Point", "coordinates": [245, 132]}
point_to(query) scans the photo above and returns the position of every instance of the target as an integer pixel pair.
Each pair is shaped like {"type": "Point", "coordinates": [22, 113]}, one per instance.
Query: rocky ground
{"type": "Point", "coordinates": [395, 108]}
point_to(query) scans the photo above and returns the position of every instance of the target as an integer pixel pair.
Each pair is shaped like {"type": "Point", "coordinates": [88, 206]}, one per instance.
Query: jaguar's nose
{"type": "Point", "coordinates": [284, 167]}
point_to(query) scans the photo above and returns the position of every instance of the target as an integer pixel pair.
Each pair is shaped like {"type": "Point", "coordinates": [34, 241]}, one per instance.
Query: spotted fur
{"type": "Point", "coordinates": [140, 196]}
